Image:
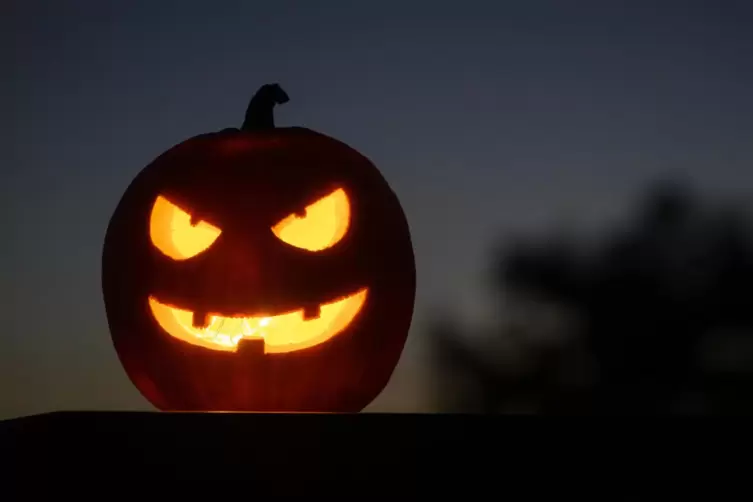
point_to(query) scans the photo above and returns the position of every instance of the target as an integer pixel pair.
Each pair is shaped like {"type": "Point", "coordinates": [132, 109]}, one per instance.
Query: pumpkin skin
{"type": "Point", "coordinates": [244, 182]}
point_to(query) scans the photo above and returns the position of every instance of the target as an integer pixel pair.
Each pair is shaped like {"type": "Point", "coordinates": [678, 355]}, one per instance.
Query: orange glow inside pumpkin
{"type": "Point", "coordinates": [281, 333]}
{"type": "Point", "coordinates": [172, 232]}
{"type": "Point", "coordinates": [324, 223]}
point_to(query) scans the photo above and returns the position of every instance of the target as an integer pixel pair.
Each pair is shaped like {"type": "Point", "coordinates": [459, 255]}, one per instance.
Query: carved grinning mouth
{"type": "Point", "coordinates": [286, 332]}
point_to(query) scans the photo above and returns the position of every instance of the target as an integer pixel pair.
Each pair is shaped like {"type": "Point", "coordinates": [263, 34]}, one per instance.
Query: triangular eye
{"type": "Point", "coordinates": [175, 235]}
{"type": "Point", "coordinates": [324, 224]}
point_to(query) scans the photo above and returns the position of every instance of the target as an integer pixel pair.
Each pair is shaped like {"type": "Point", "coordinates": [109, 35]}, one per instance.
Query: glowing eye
{"type": "Point", "coordinates": [324, 224]}
{"type": "Point", "coordinates": [173, 233]}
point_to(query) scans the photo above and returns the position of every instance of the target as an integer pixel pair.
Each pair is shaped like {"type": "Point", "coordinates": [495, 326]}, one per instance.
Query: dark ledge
{"type": "Point", "coordinates": [359, 454]}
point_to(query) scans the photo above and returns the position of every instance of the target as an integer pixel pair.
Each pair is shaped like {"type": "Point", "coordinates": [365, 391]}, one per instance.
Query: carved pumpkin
{"type": "Point", "coordinates": [260, 269]}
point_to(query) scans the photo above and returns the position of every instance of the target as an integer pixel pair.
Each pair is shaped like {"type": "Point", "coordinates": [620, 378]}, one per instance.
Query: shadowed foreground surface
{"type": "Point", "coordinates": [365, 454]}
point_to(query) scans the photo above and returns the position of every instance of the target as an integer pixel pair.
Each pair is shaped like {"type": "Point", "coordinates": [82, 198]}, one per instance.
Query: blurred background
{"type": "Point", "coordinates": [577, 177]}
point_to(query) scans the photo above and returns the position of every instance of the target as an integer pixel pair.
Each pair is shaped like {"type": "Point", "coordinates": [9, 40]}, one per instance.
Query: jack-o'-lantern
{"type": "Point", "coordinates": [259, 269]}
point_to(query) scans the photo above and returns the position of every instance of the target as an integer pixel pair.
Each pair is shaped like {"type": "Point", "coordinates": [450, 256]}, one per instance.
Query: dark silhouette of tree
{"type": "Point", "coordinates": [659, 319]}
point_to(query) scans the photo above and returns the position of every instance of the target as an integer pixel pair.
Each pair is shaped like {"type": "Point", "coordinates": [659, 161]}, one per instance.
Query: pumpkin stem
{"type": "Point", "coordinates": [260, 111]}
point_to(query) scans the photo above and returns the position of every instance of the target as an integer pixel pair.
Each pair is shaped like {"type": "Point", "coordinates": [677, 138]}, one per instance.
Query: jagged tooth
{"type": "Point", "coordinates": [201, 319]}
{"type": "Point", "coordinates": [250, 347]}
{"type": "Point", "coordinates": [311, 312]}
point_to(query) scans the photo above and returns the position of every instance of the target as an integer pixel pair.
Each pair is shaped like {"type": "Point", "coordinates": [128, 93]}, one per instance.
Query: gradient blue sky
{"type": "Point", "coordinates": [486, 117]}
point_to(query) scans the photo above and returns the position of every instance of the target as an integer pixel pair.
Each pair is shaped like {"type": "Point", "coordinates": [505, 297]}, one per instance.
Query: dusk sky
{"type": "Point", "coordinates": [487, 119]}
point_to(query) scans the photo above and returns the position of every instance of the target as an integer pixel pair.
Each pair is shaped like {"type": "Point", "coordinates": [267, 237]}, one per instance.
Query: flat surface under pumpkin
{"type": "Point", "coordinates": [361, 455]}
